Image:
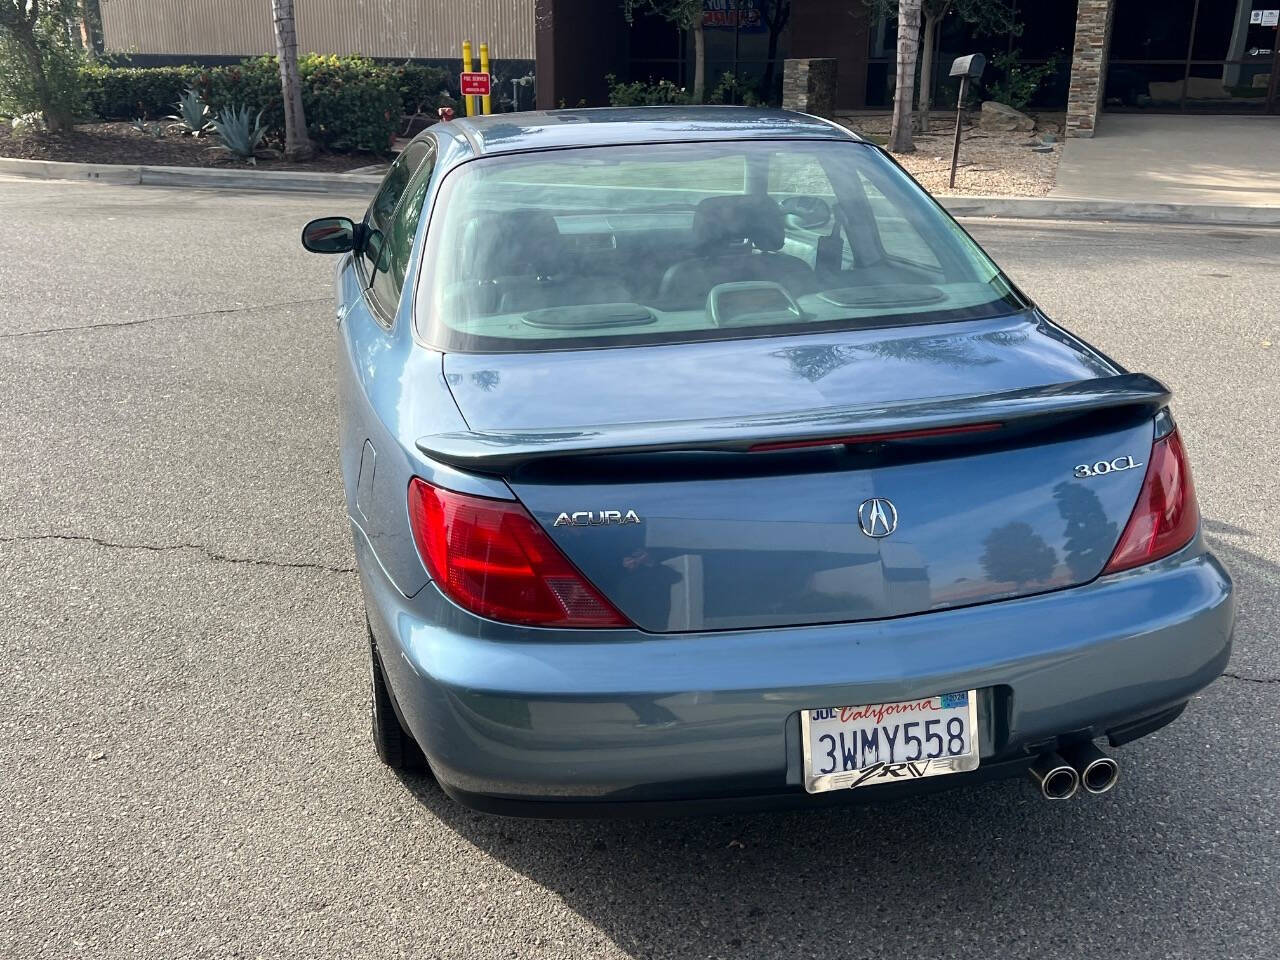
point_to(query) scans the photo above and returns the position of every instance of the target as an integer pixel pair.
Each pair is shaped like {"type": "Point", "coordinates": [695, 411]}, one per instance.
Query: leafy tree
{"type": "Point", "coordinates": [297, 145]}
{"type": "Point", "coordinates": [39, 62]}
{"type": "Point", "coordinates": [1089, 533]}
{"type": "Point", "coordinates": [1016, 554]}
{"type": "Point", "coordinates": [687, 15]}
{"type": "Point", "coordinates": [992, 17]}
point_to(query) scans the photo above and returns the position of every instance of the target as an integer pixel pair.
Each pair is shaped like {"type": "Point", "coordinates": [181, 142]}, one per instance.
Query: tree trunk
{"type": "Point", "coordinates": [908, 49]}
{"type": "Point", "coordinates": [55, 118]}
{"type": "Point", "coordinates": [772, 57]}
{"type": "Point", "coordinates": [781, 14]}
{"type": "Point", "coordinates": [927, 45]}
{"type": "Point", "coordinates": [297, 145]}
{"type": "Point", "coordinates": [699, 63]}
{"type": "Point", "coordinates": [88, 33]}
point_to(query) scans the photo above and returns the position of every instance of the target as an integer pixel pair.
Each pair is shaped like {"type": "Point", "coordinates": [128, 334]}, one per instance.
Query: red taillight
{"type": "Point", "coordinates": [492, 558]}
{"type": "Point", "coordinates": [1166, 515]}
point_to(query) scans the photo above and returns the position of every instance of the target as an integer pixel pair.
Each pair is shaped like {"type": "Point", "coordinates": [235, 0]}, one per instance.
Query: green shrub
{"type": "Point", "coordinates": [733, 89]}
{"type": "Point", "coordinates": [60, 97]}
{"type": "Point", "coordinates": [1017, 83]}
{"type": "Point", "coordinates": [641, 94]}
{"type": "Point", "coordinates": [253, 83]}
{"type": "Point", "coordinates": [122, 93]}
{"type": "Point", "coordinates": [351, 103]}
{"type": "Point", "coordinates": [420, 87]}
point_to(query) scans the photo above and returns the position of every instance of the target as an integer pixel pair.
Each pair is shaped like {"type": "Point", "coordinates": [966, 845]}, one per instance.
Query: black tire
{"type": "Point", "coordinates": [394, 744]}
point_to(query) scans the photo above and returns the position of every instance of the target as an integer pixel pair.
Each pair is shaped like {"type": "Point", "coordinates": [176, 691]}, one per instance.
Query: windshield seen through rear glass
{"type": "Point", "coordinates": [609, 246]}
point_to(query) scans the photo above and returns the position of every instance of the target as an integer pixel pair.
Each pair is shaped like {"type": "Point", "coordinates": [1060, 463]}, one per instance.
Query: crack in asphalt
{"type": "Point", "coordinates": [46, 331]}
{"type": "Point", "coordinates": [1241, 677]}
{"type": "Point", "coordinates": [166, 547]}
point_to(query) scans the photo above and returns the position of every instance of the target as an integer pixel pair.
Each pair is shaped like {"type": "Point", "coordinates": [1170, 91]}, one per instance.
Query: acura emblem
{"type": "Point", "coordinates": [877, 517]}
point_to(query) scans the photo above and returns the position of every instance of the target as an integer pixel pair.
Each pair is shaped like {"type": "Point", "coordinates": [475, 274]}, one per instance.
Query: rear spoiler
{"type": "Point", "coordinates": [500, 451]}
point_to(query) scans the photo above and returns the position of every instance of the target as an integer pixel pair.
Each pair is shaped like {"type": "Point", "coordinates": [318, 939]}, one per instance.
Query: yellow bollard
{"type": "Point", "coordinates": [466, 68]}
{"type": "Point", "coordinates": [484, 68]}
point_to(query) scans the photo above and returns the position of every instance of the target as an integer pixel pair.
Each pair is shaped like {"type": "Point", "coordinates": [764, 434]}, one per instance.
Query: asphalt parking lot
{"type": "Point", "coordinates": [185, 766]}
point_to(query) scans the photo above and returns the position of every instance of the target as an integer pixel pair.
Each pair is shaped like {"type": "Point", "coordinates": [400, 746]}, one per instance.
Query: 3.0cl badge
{"type": "Point", "coordinates": [1104, 467]}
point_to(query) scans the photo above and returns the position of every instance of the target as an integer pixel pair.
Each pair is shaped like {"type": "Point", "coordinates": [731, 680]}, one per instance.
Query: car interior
{"type": "Point", "coordinates": [541, 260]}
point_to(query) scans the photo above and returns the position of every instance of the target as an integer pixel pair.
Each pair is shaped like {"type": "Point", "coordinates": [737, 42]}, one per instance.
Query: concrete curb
{"type": "Point", "coordinates": [57, 170]}
{"type": "Point", "coordinates": [1134, 211]}
{"type": "Point", "coordinates": [201, 178]}
{"type": "Point", "coordinates": [354, 184]}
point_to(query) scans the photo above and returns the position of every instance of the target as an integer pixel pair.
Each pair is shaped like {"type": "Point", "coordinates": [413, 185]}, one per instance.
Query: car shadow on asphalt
{"type": "Point", "coordinates": [932, 876]}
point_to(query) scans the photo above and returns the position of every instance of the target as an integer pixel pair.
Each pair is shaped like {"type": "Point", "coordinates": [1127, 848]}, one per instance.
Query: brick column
{"type": "Point", "coordinates": [1089, 65]}
{"type": "Point", "coordinates": [809, 86]}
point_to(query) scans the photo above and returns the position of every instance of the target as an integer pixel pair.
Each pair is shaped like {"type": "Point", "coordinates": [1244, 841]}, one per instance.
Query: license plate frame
{"type": "Point", "coordinates": [891, 772]}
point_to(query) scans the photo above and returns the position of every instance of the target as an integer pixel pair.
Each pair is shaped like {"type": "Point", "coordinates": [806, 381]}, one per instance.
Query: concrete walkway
{"type": "Point", "coordinates": [1175, 159]}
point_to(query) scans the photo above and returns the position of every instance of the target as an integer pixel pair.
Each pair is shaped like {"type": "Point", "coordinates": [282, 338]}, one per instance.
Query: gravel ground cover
{"type": "Point", "coordinates": [991, 163]}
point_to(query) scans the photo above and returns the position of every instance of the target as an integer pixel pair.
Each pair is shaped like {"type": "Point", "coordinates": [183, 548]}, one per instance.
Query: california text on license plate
{"type": "Point", "coordinates": [847, 747]}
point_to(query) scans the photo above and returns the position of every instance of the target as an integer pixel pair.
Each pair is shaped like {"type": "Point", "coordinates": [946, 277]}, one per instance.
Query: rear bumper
{"type": "Point", "coordinates": [517, 720]}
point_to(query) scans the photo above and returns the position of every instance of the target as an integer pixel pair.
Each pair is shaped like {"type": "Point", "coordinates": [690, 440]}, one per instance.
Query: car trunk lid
{"type": "Point", "coordinates": [791, 481]}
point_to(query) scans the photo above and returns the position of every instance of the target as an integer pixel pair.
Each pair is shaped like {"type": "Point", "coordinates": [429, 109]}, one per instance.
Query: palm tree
{"type": "Point", "coordinates": [908, 48]}
{"type": "Point", "coordinates": [297, 145]}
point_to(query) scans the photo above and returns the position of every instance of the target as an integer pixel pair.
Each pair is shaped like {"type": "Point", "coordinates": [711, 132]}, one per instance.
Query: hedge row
{"type": "Point", "coordinates": [351, 103]}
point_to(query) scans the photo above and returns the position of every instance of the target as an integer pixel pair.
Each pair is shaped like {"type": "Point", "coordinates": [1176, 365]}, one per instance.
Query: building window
{"type": "Point", "coordinates": [1205, 56]}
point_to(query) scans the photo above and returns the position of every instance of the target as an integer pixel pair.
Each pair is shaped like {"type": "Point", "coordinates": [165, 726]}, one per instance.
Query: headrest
{"type": "Point", "coordinates": [719, 221]}
{"type": "Point", "coordinates": [517, 243]}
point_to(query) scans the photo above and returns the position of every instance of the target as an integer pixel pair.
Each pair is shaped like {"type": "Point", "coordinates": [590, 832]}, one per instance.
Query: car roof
{"type": "Point", "coordinates": [613, 126]}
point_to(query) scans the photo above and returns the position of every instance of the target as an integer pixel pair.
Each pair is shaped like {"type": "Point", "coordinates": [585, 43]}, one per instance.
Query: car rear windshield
{"type": "Point", "coordinates": [610, 246]}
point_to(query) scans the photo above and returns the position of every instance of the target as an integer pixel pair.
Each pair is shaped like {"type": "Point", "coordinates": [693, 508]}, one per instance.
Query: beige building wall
{"type": "Point", "coordinates": [375, 28]}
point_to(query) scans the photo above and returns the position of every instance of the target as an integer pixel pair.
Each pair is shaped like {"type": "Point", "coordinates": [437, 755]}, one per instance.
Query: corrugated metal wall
{"type": "Point", "coordinates": [375, 28]}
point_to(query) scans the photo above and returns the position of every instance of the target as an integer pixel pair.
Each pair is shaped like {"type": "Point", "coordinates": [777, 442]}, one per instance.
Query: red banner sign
{"type": "Point", "coordinates": [476, 84]}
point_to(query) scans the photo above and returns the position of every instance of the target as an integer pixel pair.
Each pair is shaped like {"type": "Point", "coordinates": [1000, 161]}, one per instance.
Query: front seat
{"type": "Point", "coordinates": [520, 262]}
{"type": "Point", "coordinates": [736, 239]}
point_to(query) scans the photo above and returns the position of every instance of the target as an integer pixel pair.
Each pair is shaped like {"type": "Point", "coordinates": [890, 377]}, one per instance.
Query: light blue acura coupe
{"type": "Point", "coordinates": [696, 459]}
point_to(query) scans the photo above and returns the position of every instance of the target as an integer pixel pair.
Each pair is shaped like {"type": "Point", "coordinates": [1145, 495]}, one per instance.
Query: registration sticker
{"type": "Point", "coordinates": [860, 746]}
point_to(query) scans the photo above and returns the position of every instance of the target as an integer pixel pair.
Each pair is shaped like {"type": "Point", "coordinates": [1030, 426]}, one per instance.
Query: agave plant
{"type": "Point", "coordinates": [154, 130]}
{"type": "Point", "coordinates": [192, 115]}
{"type": "Point", "coordinates": [239, 136]}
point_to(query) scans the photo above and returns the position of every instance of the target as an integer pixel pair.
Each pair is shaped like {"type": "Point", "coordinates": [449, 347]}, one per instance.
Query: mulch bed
{"type": "Point", "coordinates": [121, 143]}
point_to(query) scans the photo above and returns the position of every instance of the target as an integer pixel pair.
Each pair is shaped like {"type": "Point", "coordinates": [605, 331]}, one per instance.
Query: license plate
{"type": "Point", "coordinates": [846, 747]}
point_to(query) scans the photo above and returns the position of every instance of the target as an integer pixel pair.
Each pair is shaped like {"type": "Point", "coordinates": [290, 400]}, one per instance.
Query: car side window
{"type": "Point", "coordinates": [378, 217]}
{"type": "Point", "coordinates": [898, 238]}
{"type": "Point", "coordinates": [397, 246]}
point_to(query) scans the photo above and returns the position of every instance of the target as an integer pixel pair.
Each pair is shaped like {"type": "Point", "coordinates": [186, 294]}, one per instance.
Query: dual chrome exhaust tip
{"type": "Point", "coordinates": [1060, 775]}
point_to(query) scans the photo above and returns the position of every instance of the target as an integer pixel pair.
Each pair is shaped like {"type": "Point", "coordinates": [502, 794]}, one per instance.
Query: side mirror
{"type": "Point", "coordinates": [329, 235]}
{"type": "Point", "coordinates": [808, 213]}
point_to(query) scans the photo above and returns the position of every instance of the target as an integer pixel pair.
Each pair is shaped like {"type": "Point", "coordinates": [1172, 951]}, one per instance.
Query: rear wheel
{"type": "Point", "coordinates": [395, 745]}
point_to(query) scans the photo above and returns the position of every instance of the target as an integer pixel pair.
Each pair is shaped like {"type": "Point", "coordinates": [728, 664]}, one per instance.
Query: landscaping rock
{"type": "Point", "coordinates": [998, 116]}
